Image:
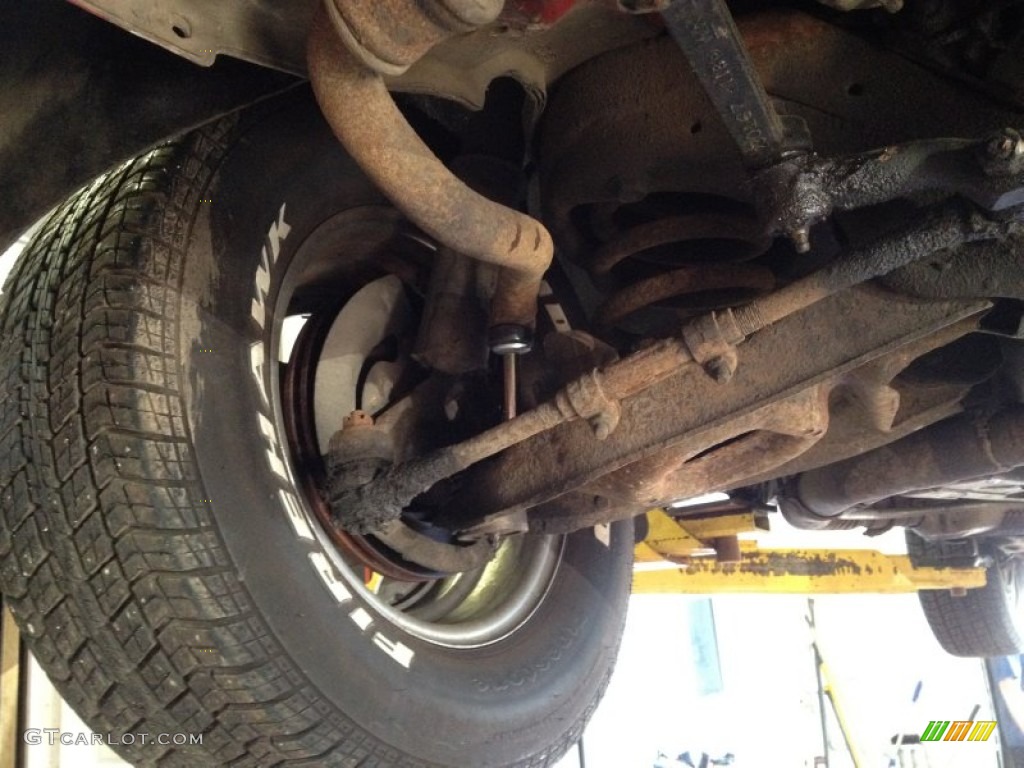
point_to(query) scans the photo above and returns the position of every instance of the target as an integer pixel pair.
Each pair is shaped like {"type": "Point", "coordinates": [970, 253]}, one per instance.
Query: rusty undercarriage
{"type": "Point", "coordinates": [740, 364]}
{"type": "Point", "coordinates": [775, 228]}
{"type": "Point", "coordinates": [552, 264]}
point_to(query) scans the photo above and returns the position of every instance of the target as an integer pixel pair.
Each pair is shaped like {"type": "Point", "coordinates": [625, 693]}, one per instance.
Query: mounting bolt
{"type": "Point", "coordinates": [801, 238]}
{"type": "Point", "coordinates": [601, 426]}
{"type": "Point", "coordinates": [721, 368]}
{"type": "Point", "coordinates": [958, 591]}
{"type": "Point", "coordinates": [357, 419]}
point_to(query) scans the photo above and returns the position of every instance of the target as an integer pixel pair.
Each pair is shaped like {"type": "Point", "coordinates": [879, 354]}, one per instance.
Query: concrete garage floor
{"type": "Point", "coordinates": [767, 715]}
{"type": "Point", "coordinates": [766, 711]}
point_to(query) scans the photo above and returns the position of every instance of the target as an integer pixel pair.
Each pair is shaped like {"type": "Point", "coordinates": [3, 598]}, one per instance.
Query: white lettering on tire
{"type": "Point", "coordinates": [361, 617]}
{"type": "Point", "coordinates": [401, 653]}
{"type": "Point", "coordinates": [330, 579]}
{"type": "Point", "coordinates": [279, 230]}
{"type": "Point", "coordinates": [294, 510]}
{"type": "Point", "coordinates": [256, 363]}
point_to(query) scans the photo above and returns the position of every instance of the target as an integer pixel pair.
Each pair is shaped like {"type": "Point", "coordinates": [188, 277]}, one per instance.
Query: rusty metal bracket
{"type": "Point", "coordinates": [586, 398]}
{"type": "Point", "coordinates": [712, 340]}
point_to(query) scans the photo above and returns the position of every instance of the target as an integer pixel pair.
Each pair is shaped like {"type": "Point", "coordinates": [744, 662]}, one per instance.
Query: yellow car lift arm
{"type": "Point", "coordinates": [709, 559]}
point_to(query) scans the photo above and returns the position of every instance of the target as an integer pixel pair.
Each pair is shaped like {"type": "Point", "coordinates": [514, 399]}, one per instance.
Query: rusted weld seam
{"type": "Point", "coordinates": [368, 123]}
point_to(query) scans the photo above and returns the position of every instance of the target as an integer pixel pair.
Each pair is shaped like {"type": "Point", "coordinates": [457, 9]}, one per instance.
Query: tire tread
{"type": "Point", "coordinates": [977, 624]}
{"type": "Point", "coordinates": [109, 554]}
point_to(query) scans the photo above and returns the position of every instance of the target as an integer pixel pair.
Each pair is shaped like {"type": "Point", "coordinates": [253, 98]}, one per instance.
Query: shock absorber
{"type": "Point", "coordinates": [689, 263]}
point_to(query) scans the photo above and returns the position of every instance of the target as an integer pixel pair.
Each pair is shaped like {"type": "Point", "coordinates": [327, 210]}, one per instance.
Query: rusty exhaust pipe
{"type": "Point", "coordinates": [967, 447]}
{"type": "Point", "coordinates": [351, 44]}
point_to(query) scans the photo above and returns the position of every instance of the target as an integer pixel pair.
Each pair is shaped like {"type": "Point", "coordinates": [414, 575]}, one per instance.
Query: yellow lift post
{"type": "Point", "coordinates": [711, 559]}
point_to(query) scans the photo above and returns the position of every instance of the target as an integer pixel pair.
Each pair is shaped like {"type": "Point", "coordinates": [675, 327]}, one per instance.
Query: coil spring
{"type": "Point", "coordinates": [695, 281]}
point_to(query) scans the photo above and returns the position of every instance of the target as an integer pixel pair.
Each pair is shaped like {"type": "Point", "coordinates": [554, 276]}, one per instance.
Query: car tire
{"type": "Point", "coordinates": [160, 559]}
{"type": "Point", "coordinates": [980, 623]}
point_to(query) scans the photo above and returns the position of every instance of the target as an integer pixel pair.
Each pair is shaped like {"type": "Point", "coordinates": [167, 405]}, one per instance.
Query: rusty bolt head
{"type": "Point", "coordinates": [357, 419]}
{"type": "Point", "coordinates": [801, 238]}
{"type": "Point", "coordinates": [958, 592]}
{"type": "Point", "coordinates": [602, 429]}
{"type": "Point", "coordinates": [721, 368]}
{"type": "Point", "coordinates": [606, 420]}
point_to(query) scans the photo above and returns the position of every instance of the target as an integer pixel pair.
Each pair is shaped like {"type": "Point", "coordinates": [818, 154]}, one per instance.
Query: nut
{"type": "Point", "coordinates": [357, 419]}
